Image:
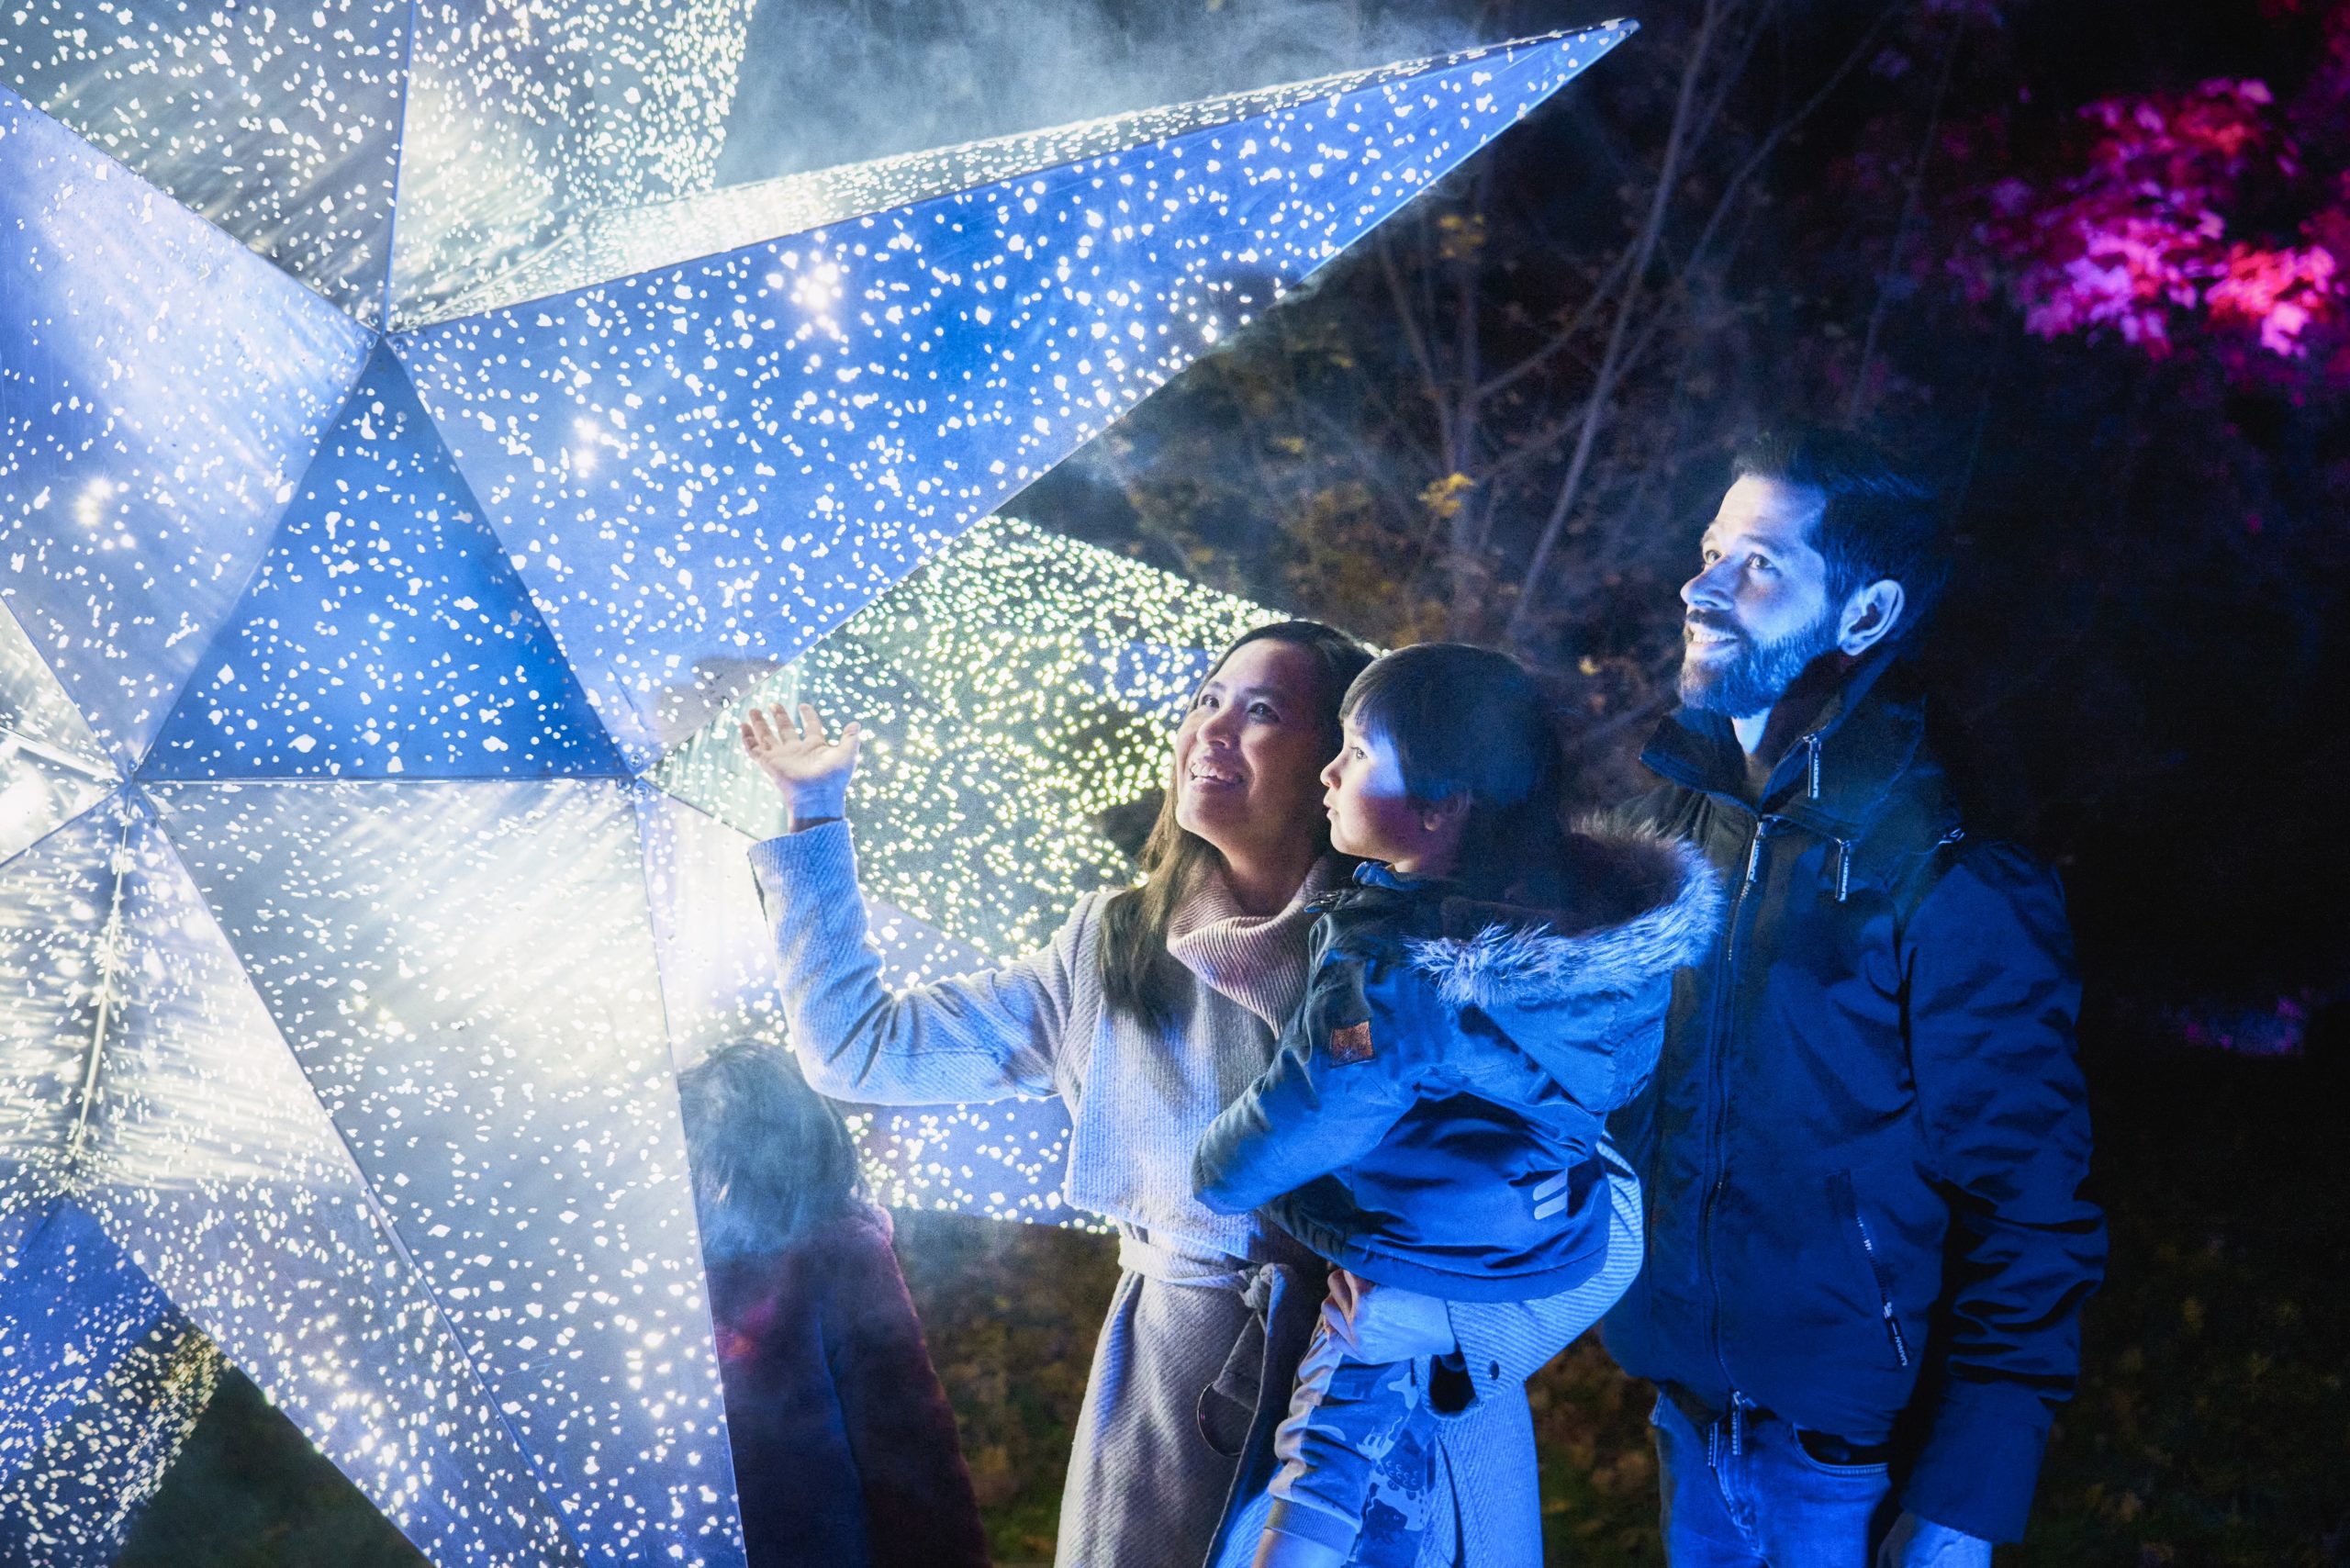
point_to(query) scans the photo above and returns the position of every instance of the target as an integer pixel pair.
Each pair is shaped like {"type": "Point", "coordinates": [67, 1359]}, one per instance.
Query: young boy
{"type": "Point", "coordinates": [1489, 989]}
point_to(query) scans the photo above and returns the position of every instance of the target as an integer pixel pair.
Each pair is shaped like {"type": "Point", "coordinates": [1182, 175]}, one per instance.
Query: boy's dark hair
{"type": "Point", "coordinates": [1467, 719]}
{"type": "Point", "coordinates": [1139, 977]}
{"type": "Point", "coordinates": [771, 1158]}
{"type": "Point", "coordinates": [1880, 521]}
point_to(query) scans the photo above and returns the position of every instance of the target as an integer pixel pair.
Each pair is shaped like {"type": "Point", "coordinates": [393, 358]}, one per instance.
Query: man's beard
{"type": "Point", "coordinates": [1751, 680]}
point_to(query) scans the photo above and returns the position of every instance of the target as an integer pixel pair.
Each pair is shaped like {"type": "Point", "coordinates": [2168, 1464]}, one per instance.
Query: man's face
{"type": "Point", "coordinates": [1758, 607]}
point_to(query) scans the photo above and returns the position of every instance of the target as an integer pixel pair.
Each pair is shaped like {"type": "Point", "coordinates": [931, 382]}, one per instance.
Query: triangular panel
{"type": "Point", "coordinates": [160, 389]}
{"type": "Point", "coordinates": [467, 974]}
{"type": "Point", "coordinates": [51, 767]}
{"type": "Point", "coordinates": [728, 458]}
{"type": "Point", "coordinates": [386, 634]}
{"type": "Point", "coordinates": [717, 985]}
{"type": "Point", "coordinates": [192, 1138]}
{"type": "Point", "coordinates": [591, 246]}
{"type": "Point", "coordinates": [520, 118]}
{"type": "Point", "coordinates": [279, 124]}
{"type": "Point", "coordinates": [1019, 689]}
{"type": "Point", "coordinates": [101, 1378]}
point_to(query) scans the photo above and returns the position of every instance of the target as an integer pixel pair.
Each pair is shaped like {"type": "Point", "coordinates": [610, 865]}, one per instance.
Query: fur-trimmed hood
{"type": "Point", "coordinates": [1547, 1010]}
{"type": "Point", "coordinates": [1632, 907]}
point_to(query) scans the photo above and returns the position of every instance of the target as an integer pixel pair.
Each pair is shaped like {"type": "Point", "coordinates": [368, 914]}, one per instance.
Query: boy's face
{"type": "Point", "coordinates": [1371, 814]}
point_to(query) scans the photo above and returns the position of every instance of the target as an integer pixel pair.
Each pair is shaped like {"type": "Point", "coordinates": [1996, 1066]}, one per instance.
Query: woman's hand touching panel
{"type": "Point", "coordinates": [810, 769]}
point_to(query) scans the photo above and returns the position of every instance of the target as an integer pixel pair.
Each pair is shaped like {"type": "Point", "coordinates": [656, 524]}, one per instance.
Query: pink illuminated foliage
{"type": "Point", "coordinates": [2170, 212]}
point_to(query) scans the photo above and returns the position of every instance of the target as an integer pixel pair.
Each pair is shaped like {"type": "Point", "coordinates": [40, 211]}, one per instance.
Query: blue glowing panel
{"type": "Point", "coordinates": [57, 913]}
{"type": "Point", "coordinates": [141, 1374]}
{"type": "Point", "coordinates": [70, 1307]}
{"type": "Point", "coordinates": [1016, 691]}
{"type": "Point", "coordinates": [278, 124]}
{"type": "Point", "coordinates": [141, 1074]}
{"type": "Point", "coordinates": [524, 119]}
{"type": "Point", "coordinates": [386, 634]}
{"type": "Point", "coordinates": [51, 767]}
{"type": "Point", "coordinates": [726, 459]}
{"type": "Point", "coordinates": [718, 981]}
{"type": "Point", "coordinates": [212, 1165]}
{"type": "Point", "coordinates": [581, 245]}
{"type": "Point", "coordinates": [465, 973]}
{"type": "Point", "coordinates": [161, 390]}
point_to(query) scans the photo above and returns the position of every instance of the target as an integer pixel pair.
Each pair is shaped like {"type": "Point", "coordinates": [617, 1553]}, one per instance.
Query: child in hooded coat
{"type": "Point", "coordinates": [1488, 990]}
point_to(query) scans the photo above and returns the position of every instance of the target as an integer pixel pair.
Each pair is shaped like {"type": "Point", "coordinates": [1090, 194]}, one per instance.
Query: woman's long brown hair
{"type": "Point", "coordinates": [1139, 977]}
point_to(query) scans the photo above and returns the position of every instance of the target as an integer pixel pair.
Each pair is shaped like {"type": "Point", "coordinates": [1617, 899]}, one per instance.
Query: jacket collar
{"type": "Point", "coordinates": [1836, 778]}
{"type": "Point", "coordinates": [1377, 874]}
{"type": "Point", "coordinates": [1634, 906]}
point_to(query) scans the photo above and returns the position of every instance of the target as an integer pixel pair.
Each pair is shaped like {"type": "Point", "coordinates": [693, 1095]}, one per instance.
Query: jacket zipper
{"type": "Point", "coordinates": [1716, 1100]}
{"type": "Point", "coordinates": [1884, 1295]}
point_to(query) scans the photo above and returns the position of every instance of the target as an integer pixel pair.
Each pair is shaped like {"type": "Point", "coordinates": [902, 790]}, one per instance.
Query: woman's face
{"type": "Point", "coordinates": [1249, 753]}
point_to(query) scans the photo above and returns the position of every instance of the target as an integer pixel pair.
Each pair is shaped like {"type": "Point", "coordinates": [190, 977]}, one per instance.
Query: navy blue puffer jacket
{"type": "Point", "coordinates": [1430, 1118]}
{"type": "Point", "coordinates": [1866, 1142]}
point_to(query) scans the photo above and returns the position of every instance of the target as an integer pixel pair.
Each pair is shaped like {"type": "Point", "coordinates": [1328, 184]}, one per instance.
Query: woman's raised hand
{"type": "Point", "coordinates": [811, 771]}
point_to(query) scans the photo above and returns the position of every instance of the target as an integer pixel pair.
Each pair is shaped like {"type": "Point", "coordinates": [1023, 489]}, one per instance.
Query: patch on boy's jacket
{"type": "Point", "coordinates": [1352, 1042]}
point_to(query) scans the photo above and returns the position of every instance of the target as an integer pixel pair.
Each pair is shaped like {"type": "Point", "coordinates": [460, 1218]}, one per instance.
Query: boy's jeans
{"type": "Point", "coordinates": [1358, 1449]}
{"type": "Point", "coordinates": [1743, 1491]}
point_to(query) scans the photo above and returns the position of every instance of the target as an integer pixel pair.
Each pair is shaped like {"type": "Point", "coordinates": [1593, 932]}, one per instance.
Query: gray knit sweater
{"type": "Point", "coordinates": [1138, 1097]}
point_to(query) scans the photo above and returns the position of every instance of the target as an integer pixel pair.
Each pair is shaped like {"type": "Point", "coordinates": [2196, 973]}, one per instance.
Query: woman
{"type": "Point", "coordinates": [844, 1449]}
{"type": "Point", "coordinates": [1148, 1012]}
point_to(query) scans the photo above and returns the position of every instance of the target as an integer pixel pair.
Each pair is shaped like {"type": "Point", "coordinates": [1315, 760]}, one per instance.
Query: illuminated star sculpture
{"type": "Point", "coordinates": [409, 465]}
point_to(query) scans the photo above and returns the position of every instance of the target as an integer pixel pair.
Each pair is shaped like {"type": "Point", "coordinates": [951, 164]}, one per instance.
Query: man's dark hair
{"type": "Point", "coordinates": [1880, 521]}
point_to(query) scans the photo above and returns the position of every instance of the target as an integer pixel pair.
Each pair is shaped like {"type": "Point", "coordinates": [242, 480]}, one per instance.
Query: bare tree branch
{"type": "Point", "coordinates": [1407, 320]}
{"type": "Point", "coordinates": [1859, 404]}
{"type": "Point", "coordinates": [1784, 128]}
{"type": "Point", "coordinates": [1668, 177]}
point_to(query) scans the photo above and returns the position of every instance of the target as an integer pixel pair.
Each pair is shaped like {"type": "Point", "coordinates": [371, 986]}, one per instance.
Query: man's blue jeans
{"type": "Point", "coordinates": [1742, 1492]}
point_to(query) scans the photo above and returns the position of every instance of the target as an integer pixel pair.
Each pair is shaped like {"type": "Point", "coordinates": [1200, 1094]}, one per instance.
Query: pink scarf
{"type": "Point", "coordinates": [1256, 960]}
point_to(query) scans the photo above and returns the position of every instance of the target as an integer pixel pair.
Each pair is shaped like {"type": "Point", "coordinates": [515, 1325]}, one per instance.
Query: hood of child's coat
{"type": "Point", "coordinates": [1632, 905]}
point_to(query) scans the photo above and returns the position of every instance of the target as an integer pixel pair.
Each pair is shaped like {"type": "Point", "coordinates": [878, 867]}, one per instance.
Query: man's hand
{"type": "Point", "coordinates": [1913, 1542]}
{"type": "Point", "coordinates": [811, 771]}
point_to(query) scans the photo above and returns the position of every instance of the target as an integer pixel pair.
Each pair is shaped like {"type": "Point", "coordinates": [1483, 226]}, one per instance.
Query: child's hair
{"type": "Point", "coordinates": [771, 1157]}
{"type": "Point", "coordinates": [1467, 719]}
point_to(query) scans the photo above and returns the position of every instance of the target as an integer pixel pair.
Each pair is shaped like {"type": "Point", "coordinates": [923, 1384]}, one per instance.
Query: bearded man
{"type": "Point", "coordinates": [1864, 1144]}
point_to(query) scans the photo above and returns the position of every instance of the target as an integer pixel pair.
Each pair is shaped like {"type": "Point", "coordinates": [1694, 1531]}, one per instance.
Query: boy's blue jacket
{"type": "Point", "coordinates": [1431, 1113]}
